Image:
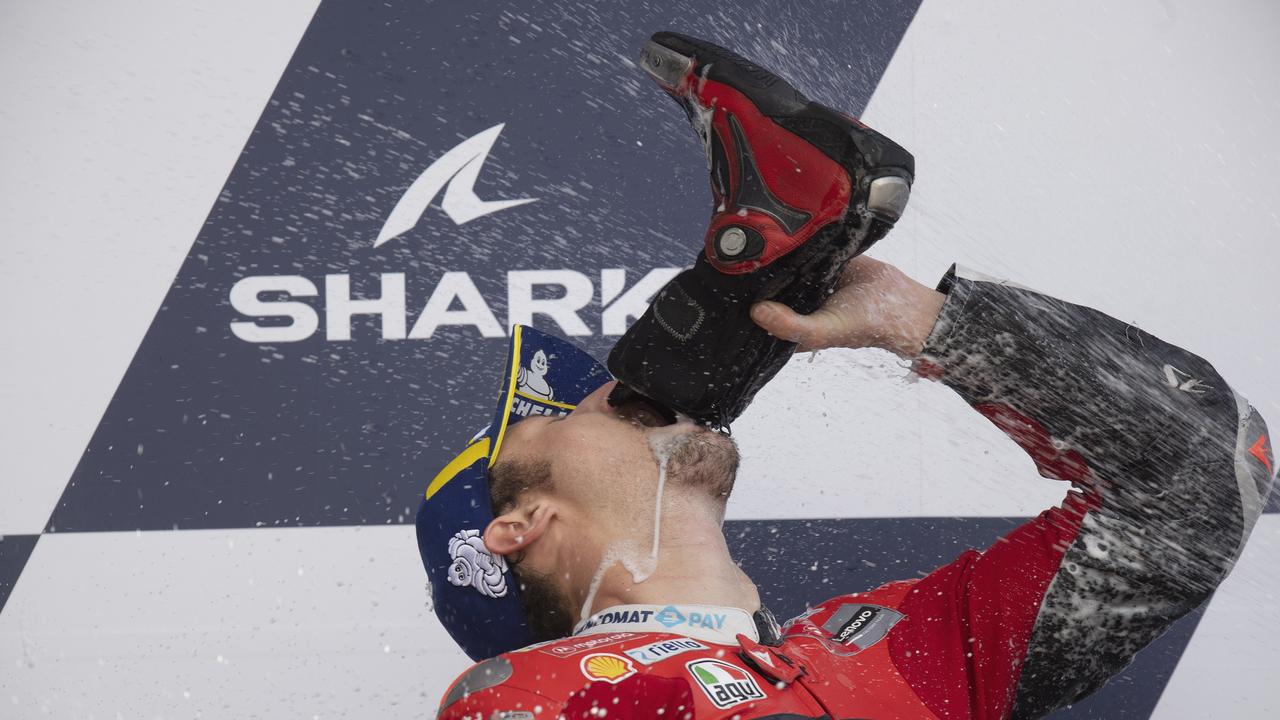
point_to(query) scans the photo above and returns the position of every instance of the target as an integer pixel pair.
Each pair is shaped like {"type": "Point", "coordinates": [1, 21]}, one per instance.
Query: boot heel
{"type": "Point", "coordinates": [665, 65]}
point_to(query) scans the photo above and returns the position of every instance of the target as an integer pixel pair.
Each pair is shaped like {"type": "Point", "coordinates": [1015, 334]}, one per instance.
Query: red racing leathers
{"type": "Point", "coordinates": [1170, 469]}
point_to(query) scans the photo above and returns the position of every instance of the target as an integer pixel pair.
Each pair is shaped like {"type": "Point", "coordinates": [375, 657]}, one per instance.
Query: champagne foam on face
{"type": "Point", "coordinates": [663, 442]}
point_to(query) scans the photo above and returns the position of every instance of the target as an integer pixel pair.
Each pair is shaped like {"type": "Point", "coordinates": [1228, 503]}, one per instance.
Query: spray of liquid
{"type": "Point", "coordinates": [663, 442]}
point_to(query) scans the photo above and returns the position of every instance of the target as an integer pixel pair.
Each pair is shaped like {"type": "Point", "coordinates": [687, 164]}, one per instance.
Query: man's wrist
{"type": "Point", "coordinates": [916, 320]}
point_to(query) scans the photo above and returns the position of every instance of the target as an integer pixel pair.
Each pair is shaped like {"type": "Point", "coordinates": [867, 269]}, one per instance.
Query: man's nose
{"type": "Point", "coordinates": [597, 401]}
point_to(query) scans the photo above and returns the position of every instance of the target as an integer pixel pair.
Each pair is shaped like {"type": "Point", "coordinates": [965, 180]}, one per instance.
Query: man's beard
{"type": "Point", "coordinates": [707, 461]}
{"type": "Point", "coordinates": [546, 607]}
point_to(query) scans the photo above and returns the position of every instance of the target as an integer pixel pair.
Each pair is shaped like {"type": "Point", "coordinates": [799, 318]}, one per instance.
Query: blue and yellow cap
{"type": "Point", "coordinates": [474, 592]}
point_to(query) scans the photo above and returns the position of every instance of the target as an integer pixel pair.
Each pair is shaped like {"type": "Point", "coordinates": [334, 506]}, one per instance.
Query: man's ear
{"type": "Point", "coordinates": [518, 528]}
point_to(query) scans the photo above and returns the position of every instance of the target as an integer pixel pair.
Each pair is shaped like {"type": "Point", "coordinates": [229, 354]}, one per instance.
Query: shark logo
{"type": "Point", "coordinates": [456, 171]}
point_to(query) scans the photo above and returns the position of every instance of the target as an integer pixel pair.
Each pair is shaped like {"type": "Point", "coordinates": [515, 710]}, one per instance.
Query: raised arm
{"type": "Point", "coordinates": [1171, 468]}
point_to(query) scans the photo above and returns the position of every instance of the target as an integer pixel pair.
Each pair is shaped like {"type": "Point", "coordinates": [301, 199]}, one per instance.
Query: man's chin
{"type": "Point", "coordinates": [702, 458]}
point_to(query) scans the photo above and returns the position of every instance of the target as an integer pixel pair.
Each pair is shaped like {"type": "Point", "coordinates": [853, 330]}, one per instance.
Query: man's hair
{"type": "Point", "coordinates": [546, 608]}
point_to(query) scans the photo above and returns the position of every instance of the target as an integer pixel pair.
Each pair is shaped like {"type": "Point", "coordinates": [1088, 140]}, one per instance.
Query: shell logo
{"type": "Point", "coordinates": [607, 667]}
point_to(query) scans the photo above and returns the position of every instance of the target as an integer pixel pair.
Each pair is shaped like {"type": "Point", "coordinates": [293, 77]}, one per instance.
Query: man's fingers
{"type": "Point", "coordinates": [782, 322]}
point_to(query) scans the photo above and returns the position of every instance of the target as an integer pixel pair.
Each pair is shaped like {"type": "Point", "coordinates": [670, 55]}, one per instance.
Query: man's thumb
{"type": "Point", "coordinates": [781, 321]}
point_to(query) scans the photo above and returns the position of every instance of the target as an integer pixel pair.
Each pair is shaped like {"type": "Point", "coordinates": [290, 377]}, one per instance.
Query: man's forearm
{"type": "Point", "coordinates": [1103, 389]}
{"type": "Point", "coordinates": [1170, 488]}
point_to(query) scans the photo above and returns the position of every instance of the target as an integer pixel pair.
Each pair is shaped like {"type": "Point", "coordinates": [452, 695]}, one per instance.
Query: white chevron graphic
{"type": "Point", "coordinates": [456, 171]}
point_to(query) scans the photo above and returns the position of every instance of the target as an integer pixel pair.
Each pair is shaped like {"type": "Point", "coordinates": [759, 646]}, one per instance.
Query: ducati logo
{"type": "Point", "coordinates": [456, 172]}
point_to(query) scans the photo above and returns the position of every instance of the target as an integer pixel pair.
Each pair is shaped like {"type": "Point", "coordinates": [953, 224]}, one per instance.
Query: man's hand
{"type": "Point", "coordinates": [875, 305]}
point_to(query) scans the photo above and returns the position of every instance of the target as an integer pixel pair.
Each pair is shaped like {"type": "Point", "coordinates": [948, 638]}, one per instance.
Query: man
{"type": "Point", "coordinates": [594, 528]}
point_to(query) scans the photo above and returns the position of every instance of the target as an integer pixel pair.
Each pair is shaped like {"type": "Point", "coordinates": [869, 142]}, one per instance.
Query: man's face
{"type": "Point", "coordinates": [602, 463]}
{"type": "Point", "coordinates": [601, 456]}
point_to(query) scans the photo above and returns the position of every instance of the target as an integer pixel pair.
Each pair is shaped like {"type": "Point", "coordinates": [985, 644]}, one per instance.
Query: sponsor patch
{"type": "Point", "coordinates": [511, 715]}
{"type": "Point", "coordinates": [619, 617]}
{"type": "Point", "coordinates": [725, 685]}
{"type": "Point", "coordinates": [659, 651]}
{"type": "Point", "coordinates": [861, 625]}
{"type": "Point", "coordinates": [607, 667]}
{"type": "Point", "coordinates": [590, 642]}
{"type": "Point", "coordinates": [670, 616]}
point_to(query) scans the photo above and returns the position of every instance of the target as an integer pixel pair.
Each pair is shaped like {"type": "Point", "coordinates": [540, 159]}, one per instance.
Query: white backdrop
{"type": "Point", "coordinates": [1120, 155]}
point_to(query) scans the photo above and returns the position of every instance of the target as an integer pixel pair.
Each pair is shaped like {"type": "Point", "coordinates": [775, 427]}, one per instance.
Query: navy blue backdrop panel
{"type": "Point", "coordinates": [210, 430]}
{"type": "Point", "coordinates": [14, 552]}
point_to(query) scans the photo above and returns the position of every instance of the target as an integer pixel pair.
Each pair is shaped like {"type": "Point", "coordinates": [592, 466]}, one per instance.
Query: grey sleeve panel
{"type": "Point", "coordinates": [1172, 456]}
{"type": "Point", "coordinates": [1254, 464]}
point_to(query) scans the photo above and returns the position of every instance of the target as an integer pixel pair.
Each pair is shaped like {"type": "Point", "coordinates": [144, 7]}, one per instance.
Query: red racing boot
{"type": "Point", "coordinates": [799, 189]}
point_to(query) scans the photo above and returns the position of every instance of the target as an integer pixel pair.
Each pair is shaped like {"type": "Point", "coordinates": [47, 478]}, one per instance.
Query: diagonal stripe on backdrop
{"type": "Point", "coordinates": [14, 552]}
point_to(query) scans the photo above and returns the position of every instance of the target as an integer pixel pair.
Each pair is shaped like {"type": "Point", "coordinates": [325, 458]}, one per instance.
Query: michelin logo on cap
{"type": "Point", "coordinates": [474, 566]}
{"type": "Point", "coordinates": [532, 386]}
{"type": "Point", "coordinates": [533, 379]}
